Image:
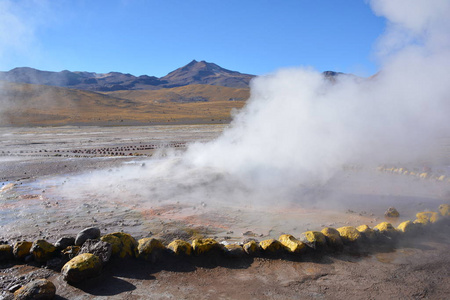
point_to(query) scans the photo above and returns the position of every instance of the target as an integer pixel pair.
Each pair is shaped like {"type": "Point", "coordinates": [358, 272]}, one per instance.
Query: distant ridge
{"type": "Point", "coordinates": [193, 73]}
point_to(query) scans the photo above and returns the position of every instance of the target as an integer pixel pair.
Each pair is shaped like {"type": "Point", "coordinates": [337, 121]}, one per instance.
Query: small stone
{"type": "Point", "coordinates": [81, 267]}
{"type": "Point", "coordinates": [367, 232]}
{"type": "Point", "coordinates": [91, 233]}
{"type": "Point", "coordinates": [99, 248]}
{"type": "Point", "coordinates": [149, 249]}
{"type": "Point", "coordinates": [42, 250]}
{"type": "Point", "coordinates": [333, 238]}
{"type": "Point", "coordinates": [444, 209]}
{"type": "Point", "coordinates": [349, 234]}
{"type": "Point", "coordinates": [391, 213]}
{"type": "Point", "coordinates": [6, 252]}
{"type": "Point", "coordinates": [314, 239]}
{"type": "Point", "coordinates": [428, 216]}
{"type": "Point", "coordinates": [386, 229]}
{"type": "Point", "coordinates": [70, 252]}
{"type": "Point", "coordinates": [36, 289]}
{"type": "Point", "coordinates": [407, 227]}
{"type": "Point", "coordinates": [123, 244]}
{"type": "Point", "coordinates": [64, 242]}
{"type": "Point", "coordinates": [22, 249]}
{"type": "Point", "coordinates": [203, 246]}
{"type": "Point", "coordinates": [234, 251]}
{"type": "Point", "coordinates": [292, 244]}
{"type": "Point", "coordinates": [180, 247]}
{"type": "Point", "coordinates": [271, 246]}
{"type": "Point", "coordinates": [251, 248]}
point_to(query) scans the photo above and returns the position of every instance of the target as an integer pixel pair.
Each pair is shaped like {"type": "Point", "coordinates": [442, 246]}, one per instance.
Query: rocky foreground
{"type": "Point", "coordinates": [82, 258]}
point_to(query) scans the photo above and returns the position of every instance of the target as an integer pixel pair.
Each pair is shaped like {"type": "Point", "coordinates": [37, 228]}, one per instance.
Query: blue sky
{"type": "Point", "coordinates": [155, 37]}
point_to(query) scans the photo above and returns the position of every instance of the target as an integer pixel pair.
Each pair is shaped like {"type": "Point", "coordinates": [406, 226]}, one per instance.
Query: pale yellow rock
{"type": "Point", "coordinates": [333, 237]}
{"type": "Point", "coordinates": [444, 209]}
{"type": "Point", "coordinates": [430, 216]}
{"type": "Point", "coordinates": [149, 248]}
{"type": "Point", "coordinates": [424, 175]}
{"type": "Point", "coordinates": [386, 228]}
{"type": "Point", "coordinates": [180, 247]}
{"type": "Point", "coordinates": [406, 227]}
{"type": "Point", "coordinates": [42, 250]}
{"type": "Point", "coordinates": [22, 249]}
{"type": "Point", "coordinates": [368, 232]}
{"type": "Point", "coordinates": [251, 248]}
{"type": "Point", "coordinates": [349, 234]}
{"type": "Point", "coordinates": [292, 244]}
{"type": "Point", "coordinates": [314, 239]}
{"type": "Point", "coordinates": [201, 246]}
{"type": "Point", "coordinates": [270, 245]}
{"type": "Point", "coordinates": [81, 267]}
{"type": "Point", "coordinates": [123, 244]}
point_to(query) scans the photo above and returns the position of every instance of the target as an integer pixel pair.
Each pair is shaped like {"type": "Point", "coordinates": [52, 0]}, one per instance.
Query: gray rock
{"type": "Point", "coordinates": [65, 242]}
{"type": "Point", "coordinates": [91, 233]}
{"type": "Point", "coordinates": [36, 289]}
{"type": "Point", "coordinates": [102, 249]}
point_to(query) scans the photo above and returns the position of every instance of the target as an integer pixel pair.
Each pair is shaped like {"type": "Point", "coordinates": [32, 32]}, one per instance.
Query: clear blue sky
{"type": "Point", "coordinates": [154, 37]}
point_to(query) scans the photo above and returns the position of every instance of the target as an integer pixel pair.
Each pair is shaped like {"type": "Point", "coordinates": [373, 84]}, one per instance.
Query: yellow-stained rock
{"type": "Point", "coordinates": [444, 209]}
{"type": "Point", "coordinates": [368, 232]}
{"type": "Point", "coordinates": [407, 227]}
{"type": "Point", "coordinates": [180, 247]}
{"type": "Point", "coordinates": [349, 234]}
{"type": "Point", "coordinates": [36, 289]}
{"type": "Point", "coordinates": [201, 246]}
{"type": "Point", "coordinates": [81, 267]}
{"type": "Point", "coordinates": [441, 178]}
{"type": "Point", "coordinates": [42, 250]}
{"type": "Point", "coordinates": [251, 248]}
{"type": "Point", "coordinates": [22, 249]}
{"type": "Point", "coordinates": [392, 212]}
{"type": "Point", "coordinates": [70, 252]}
{"type": "Point", "coordinates": [6, 252]}
{"type": "Point", "coordinates": [430, 216]}
{"type": "Point", "coordinates": [149, 249]}
{"type": "Point", "coordinates": [424, 175]}
{"type": "Point", "coordinates": [123, 244]}
{"type": "Point", "coordinates": [333, 238]}
{"type": "Point", "coordinates": [270, 246]}
{"type": "Point", "coordinates": [292, 244]}
{"type": "Point", "coordinates": [421, 222]}
{"type": "Point", "coordinates": [234, 251]}
{"type": "Point", "coordinates": [314, 239]}
{"type": "Point", "coordinates": [386, 228]}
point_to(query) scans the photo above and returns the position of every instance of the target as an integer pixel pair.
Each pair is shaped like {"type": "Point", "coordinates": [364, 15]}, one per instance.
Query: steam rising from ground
{"type": "Point", "coordinates": [299, 128]}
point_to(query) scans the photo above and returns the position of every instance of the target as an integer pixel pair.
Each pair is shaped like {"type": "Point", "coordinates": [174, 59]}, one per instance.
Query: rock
{"type": "Point", "coordinates": [123, 244]}
{"type": "Point", "coordinates": [428, 216]}
{"type": "Point", "coordinates": [234, 251]}
{"type": "Point", "coordinates": [251, 248]}
{"type": "Point", "coordinates": [386, 229]}
{"type": "Point", "coordinates": [64, 242]}
{"type": "Point", "coordinates": [81, 267]}
{"type": "Point", "coordinates": [270, 246]}
{"type": "Point", "coordinates": [292, 244]}
{"type": "Point", "coordinates": [203, 246]}
{"type": "Point", "coordinates": [349, 234]}
{"type": "Point", "coordinates": [91, 233]}
{"type": "Point", "coordinates": [6, 252]}
{"type": "Point", "coordinates": [36, 289]}
{"type": "Point", "coordinates": [333, 238]}
{"type": "Point", "coordinates": [367, 232]}
{"type": "Point", "coordinates": [314, 239]}
{"type": "Point", "coordinates": [99, 248]}
{"type": "Point", "coordinates": [407, 227]}
{"type": "Point", "coordinates": [70, 252]}
{"type": "Point", "coordinates": [22, 249]}
{"type": "Point", "coordinates": [42, 250]}
{"type": "Point", "coordinates": [180, 247]}
{"type": "Point", "coordinates": [391, 213]}
{"type": "Point", "coordinates": [444, 209]}
{"type": "Point", "coordinates": [149, 249]}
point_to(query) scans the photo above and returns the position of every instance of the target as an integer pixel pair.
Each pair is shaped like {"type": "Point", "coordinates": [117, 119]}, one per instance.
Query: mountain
{"type": "Point", "coordinates": [193, 73]}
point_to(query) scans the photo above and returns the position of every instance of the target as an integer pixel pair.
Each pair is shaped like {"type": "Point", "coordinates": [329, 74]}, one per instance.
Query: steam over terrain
{"type": "Point", "coordinates": [299, 128]}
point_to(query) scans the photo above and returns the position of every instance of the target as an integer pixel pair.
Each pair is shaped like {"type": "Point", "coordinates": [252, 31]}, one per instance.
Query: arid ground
{"type": "Point", "coordinates": [38, 163]}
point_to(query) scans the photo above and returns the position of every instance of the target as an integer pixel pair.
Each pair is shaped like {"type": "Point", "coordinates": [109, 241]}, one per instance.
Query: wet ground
{"type": "Point", "coordinates": [56, 181]}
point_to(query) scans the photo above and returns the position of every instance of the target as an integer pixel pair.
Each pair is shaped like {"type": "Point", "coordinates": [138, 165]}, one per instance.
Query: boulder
{"type": "Point", "coordinates": [391, 213]}
{"type": "Point", "coordinates": [251, 248]}
{"type": "Point", "coordinates": [91, 233]}
{"type": "Point", "coordinates": [42, 250]}
{"type": "Point", "coordinates": [444, 209]}
{"type": "Point", "coordinates": [270, 246]}
{"type": "Point", "coordinates": [314, 239]}
{"type": "Point", "coordinates": [6, 252]}
{"type": "Point", "coordinates": [36, 289]}
{"type": "Point", "coordinates": [407, 227]}
{"type": "Point", "coordinates": [22, 249]}
{"type": "Point", "coordinates": [367, 232]}
{"type": "Point", "coordinates": [123, 244]}
{"type": "Point", "coordinates": [180, 247]}
{"type": "Point", "coordinates": [203, 246]}
{"type": "Point", "coordinates": [386, 229]}
{"type": "Point", "coordinates": [234, 251]}
{"type": "Point", "coordinates": [292, 244]}
{"type": "Point", "coordinates": [81, 267]}
{"type": "Point", "coordinates": [333, 238]}
{"type": "Point", "coordinates": [349, 234]}
{"type": "Point", "coordinates": [99, 248]}
{"type": "Point", "coordinates": [64, 242]}
{"type": "Point", "coordinates": [428, 216]}
{"type": "Point", "coordinates": [149, 249]}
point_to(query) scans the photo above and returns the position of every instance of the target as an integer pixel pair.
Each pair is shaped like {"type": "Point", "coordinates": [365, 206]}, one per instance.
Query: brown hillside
{"type": "Point", "coordinates": [28, 105]}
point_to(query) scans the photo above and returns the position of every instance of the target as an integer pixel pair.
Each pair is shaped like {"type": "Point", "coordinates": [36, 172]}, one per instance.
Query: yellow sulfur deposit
{"type": "Point", "coordinates": [148, 247]}
{"type": "Point", "coordinates": [429, 216]}
{"type": "Point", "coordinates": [123, 244]}
{"type": "Point", "coordinates": [180, 247]}
{"type": "Point", "coordinates": [42, 250]}
{"type": "Point", "coordinates": [201, 246]}
{"type": "Point", "coordinates": [22, 249]}
{"type": "Point", "coordinates": [385, 228]}
{"type": "Point", "coordinates": [444, 209]}
{"type": "Point", "coordinates": [251, 248]}
{"type": "Point", "coordinates": [314, 239]}
{"type": "Point", "coordinates": [81, 267]}
{"type": "Point", "coordinates": [406, 227]}
{"type": "Point", "coordinates": [368, 232]}
{"type": "Point", "coordinates": [271, 245]}
{"type": "Point", "coordinates": [292, 244]}
{"type": "Point", "coordinates": [333, 237]}
{"type": "Point", "coordinates": [349, 234]}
